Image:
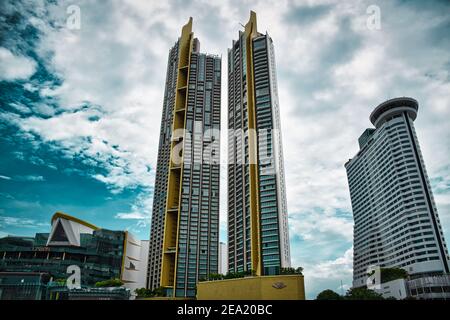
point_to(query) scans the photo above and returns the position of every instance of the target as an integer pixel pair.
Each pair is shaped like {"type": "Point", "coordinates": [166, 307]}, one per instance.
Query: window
{"type": "Point", "coordinates": [201, 67]}
{"type": "Point", "coordinates": [262, 91]}
{"type": "Point", "coordinates": [208, 101]}
{"type": "Point", "coordinates": [259, 44]}
{"type": "Point", "coordinates": [217, 63]}
{"type": "Point", "coordinates": [59, 234]}
{"type": "Point", "coordinates": [198, 127]}
{"type": "Point", "coordinates": [216, 77]}
{"type": "Point", "coordinates": [189, 125]}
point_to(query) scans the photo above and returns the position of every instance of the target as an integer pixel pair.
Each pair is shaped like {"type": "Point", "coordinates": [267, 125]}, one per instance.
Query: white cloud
{"type": "Point", "coordinates": [6, 221]}
{"type": "Point", "coordinates": [13, 67]}
{"type": "Point", "coordinates": [334, 269]}
{"type": "Point", "coordinates": [332, 72]}
{"type": "Point", "coordinates": [7, 196]}
{"type": "Point", "coordinates": [312, 226]}
{"type": "Point", "coordinates": [99, 143]}
{"type": "Point", "coordinates": [140, 210]}
{"type": "Point", "coordinates": [132, 216]}
{"type": "Point", "coordinates": [29, 178]}
{"type": "Point", "coordinates": [21, 108]}
{"type": "Point", "coordinates": [329, 274]}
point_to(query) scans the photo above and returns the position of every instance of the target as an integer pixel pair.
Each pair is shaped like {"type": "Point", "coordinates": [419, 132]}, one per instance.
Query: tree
{"type": "Point", "coordinates": [298, 270]}
{"type": "Point", "coordinates": [214, 276]}
{"type": "Point", "coordinates": [241, 274]}
{"type": "Point", "coordinates": [328, 295]}
{"type": "Point", "coordinates": [147, 293]}
{"type": "Point", "coordinates": [362, 294]}
{"type": "Point", "coordinates": [159, 292]}
{"type": "Point", "coordinates": [389, 274]}
{"type": "Point", "coordinates": [143, 292]}
{"type": "Point", "coordinates": [109, 283]}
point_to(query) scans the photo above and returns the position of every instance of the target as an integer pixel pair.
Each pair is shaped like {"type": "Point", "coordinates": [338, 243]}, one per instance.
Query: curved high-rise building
{"type": "Point", "coordinates": [396, 220]}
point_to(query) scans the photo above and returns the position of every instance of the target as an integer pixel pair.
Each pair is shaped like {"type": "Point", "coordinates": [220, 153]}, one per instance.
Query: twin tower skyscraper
{"type": "Point", "coordinates": [184, 235]}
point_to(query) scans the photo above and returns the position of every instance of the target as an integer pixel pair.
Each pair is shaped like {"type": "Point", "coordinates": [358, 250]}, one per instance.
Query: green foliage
{"type": "Point", "coordinates": [389, 274]}
{"type": "Point", "coordinates": [143, 292]}
{"type": "Point", "coordinates": [147, 293]}
{"type": "Point", "coordinates": [60, 281]}
{"type": "Point", "coordinates": [352, 294]}
{"type": "Point", "coordinates": [229, 275]}
{"type": "Point", "coordinates": [109, 283]}
{"type": "Point", "coordinates": [328, 295]}
{"type": "Point", "coordinates": [298, 270]}
{"type": "Point", "coordinates": [215, 276]}
{"type": "Point", "coordinates": [242, 274]}
{"type": "Point", "coordinates": [159, 292]}
{"type": "Point", "coordinates": [362, 294]}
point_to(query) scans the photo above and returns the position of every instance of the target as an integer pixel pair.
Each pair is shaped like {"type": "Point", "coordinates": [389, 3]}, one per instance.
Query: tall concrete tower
{"type": "Point", "coordinates": [396, 221]}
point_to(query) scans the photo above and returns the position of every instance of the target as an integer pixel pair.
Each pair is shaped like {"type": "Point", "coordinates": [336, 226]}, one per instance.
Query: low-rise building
{"type": "Point", "coordinates": [397, 289]}
{"type": "Point", "coordinates": [100, 254]}
{"type": "Point", "coordinates": [431, 287]}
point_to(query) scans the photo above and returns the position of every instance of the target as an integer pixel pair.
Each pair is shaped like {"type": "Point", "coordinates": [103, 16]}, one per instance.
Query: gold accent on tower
{"type": "Point", "coordinates": [175, 176]}
{"type": "Point", "coordinates": [250, 33]}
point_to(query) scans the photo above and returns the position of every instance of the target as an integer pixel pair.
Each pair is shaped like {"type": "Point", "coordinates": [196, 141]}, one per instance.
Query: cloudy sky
{"type": "Point", "coordinates": [80, 108]}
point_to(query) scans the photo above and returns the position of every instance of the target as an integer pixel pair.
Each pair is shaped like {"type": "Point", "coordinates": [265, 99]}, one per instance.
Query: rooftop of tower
{"type": "Point", "coordinates": [383, 112]}
{"type": "Point", "coordinates": [392, 107]}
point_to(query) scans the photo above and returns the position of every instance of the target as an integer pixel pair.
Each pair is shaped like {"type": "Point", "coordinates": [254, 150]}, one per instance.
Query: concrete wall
{"type": "Point", "coordinates": [134, 272]}
{"type": "Point", "coordinates": [283, 287]}
{"type": "Point", "coordinates": [142, 278]}
{"type": "Point", "coordinates": [395, 288]}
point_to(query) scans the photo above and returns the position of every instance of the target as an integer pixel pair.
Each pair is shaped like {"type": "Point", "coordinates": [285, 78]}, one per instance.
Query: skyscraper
{"type": "Point", "coordinates": [396, 221]}
{"type": "Point", "coordinates": [185, 219]}
{"type": "Point", "coordinates": [258, 237]}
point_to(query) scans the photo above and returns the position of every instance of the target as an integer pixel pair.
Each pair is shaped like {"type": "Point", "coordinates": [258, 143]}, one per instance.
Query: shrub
{"type": "Point", "coordinates": [109, 283]}
{"type": "Point", "coordinates": [328, 295]}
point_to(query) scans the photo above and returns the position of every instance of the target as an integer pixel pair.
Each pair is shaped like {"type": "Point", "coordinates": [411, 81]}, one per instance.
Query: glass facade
{"type": "Point", "coordinates": [162, 173]}
{"type": "Point", "coordinates": [255, 108]}
{"type": "Point", "coordinates": [39, 286]}
{"type": "Point", "coordinates": [23, 286]}
{"type": "Point", "coordinates": [99, 256]}
{"type": "Point", "coordinates": [184, 248]}
{"type": "Point", "coordinates": [198, 236]}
